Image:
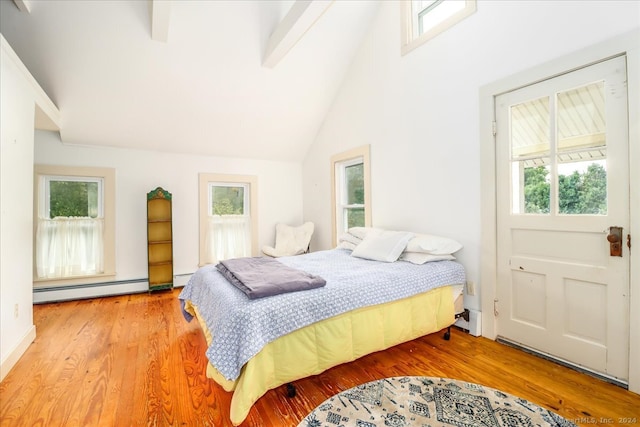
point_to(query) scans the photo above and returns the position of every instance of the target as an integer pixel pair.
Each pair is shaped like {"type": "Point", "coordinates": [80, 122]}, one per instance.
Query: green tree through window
{"type": "Point", "coordinates": [536, 190]}
{"type": "Point", "coordinates": [355, 194]}
{"type": "Point", "coordinates": [579, 193]}
{"type": "Point", "coordinates": [73, 198]}
{"type": "Point", "coordinates": [594, 185]}
{"type": "Point", "coordinates": [227, 200]}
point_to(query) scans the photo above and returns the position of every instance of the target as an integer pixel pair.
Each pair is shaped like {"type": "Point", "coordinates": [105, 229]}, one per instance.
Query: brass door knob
{"type": "Point", "coordinates": [615, 241]}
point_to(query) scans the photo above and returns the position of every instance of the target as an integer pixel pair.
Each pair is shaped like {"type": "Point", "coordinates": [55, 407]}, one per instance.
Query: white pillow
{"type": "Point", "coordinates": [422, 258]}
{"type": "Point", "coordinates": [346, 245]}
{"type": "Point", "coordinates": [434, 245]}
{"type": "Point", "coordinates": [349, 238]}
{"type": "Point", "coordinates": [361, 232]}
{"type": "Point", "coordinates": [381, 245]}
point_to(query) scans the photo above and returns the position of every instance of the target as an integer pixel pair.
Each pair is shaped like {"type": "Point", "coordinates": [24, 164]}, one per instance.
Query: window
{"type": "Point", "coordinates": [422, 20]}
{"type": "Point", "coordinates": [351, 193]}
{"type": "Point", "coordinates": [567, 174]}
{"type": "Point", "coordinates": [74, 232]}
{"type": "Point", "coordinates": [228, 217]}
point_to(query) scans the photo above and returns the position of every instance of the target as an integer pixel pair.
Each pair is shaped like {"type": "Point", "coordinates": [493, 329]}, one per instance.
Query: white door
{"type": "Point", "coordinates": [562, 182]}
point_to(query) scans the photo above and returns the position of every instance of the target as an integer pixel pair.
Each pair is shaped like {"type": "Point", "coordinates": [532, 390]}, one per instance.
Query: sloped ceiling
{"type": "Point", "coordinates": [204, 90]}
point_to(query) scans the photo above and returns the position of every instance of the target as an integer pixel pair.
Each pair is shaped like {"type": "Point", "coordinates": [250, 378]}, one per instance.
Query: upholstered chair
{"type": "Point", "coordinates": [290, 240]}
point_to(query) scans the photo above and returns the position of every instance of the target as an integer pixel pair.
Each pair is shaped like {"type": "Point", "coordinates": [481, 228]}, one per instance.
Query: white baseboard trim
{"type": "Point", "coordinates": [17, 352]}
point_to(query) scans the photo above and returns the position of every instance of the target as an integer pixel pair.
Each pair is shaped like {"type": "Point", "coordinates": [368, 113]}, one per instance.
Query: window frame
{"type": "Point", "coordinates": [74, 173]}
{"type": "Point", "coordinates": [205, 180]}
{"type": "Point", "coordinates": [409, 19]}
{"type": "Point", "coordinates": [339, 163]}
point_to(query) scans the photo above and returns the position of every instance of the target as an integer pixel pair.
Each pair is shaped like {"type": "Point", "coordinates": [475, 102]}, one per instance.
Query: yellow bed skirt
{"type": "Point", "coordinates": [331, 342]}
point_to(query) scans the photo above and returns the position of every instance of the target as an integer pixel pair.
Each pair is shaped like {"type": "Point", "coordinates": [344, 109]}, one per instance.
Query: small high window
{"type": "Point", "coordinates": [422, 20]}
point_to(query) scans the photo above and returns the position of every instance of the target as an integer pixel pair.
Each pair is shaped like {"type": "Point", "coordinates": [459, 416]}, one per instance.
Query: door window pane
{"type": "Point", "coordinates": [536, 195]}
{"type": "Point", "coordinates": [582, 188]}
{"type": "Point", "coordinates": [577, 182]}
{"type": "Point", "coordinates": [582, 153]}
{"type": "Point", "coordinates": [530, 157]}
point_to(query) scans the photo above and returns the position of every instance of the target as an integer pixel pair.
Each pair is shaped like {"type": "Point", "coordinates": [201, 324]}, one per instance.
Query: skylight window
{"type": "Point", "coordinates": [422, 20]}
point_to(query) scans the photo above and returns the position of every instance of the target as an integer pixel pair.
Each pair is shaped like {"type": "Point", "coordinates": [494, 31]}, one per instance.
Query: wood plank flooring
{"type": "Point", "coordinates": [134, 361]}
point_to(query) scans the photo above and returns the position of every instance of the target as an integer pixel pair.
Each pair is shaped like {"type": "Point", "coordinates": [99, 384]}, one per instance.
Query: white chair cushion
{"type": "Point", "coordinates": [290, 240]}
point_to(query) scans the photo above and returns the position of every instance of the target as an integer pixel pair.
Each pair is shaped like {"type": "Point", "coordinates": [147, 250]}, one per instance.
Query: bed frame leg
{"type": "Point", "coordinates": [447, 335]}
{"type": "Point", "coordinates": [464, 315]}
{"type": "Point", "coordinates": [291, 391]}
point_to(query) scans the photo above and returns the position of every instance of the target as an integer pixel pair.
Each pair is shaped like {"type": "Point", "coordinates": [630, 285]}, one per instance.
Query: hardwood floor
{"type": "Point", "coordinates": [134, 361]}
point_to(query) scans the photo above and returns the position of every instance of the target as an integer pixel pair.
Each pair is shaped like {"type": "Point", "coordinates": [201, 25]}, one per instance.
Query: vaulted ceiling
{"type": "Point", "coordinates": [204, 90]}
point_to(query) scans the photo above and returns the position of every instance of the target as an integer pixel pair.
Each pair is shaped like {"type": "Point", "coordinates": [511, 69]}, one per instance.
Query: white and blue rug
{"type": "Point", "coordinates": [427, 401]}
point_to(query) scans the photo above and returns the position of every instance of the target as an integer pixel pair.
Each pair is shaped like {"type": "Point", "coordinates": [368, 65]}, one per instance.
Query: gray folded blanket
{"type": "Point", "coordinates": [260, 277]}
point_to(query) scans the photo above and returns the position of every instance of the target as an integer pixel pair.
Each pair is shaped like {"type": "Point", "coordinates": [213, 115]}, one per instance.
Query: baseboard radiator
{"type": "Point", "coordinates": [96, 290]}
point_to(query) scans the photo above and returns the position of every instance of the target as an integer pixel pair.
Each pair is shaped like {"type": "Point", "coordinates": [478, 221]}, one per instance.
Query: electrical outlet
{"type": "Point", "coordinates": [15, 311]}
{"type": "Point", "coordinates": [471, 288]}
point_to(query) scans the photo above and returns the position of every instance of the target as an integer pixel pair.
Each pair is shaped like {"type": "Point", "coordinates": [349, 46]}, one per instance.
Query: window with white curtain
{"type": "Point", "coordinates": [72, 238]}
{"type": "Point", "coordinates": [228, 218]}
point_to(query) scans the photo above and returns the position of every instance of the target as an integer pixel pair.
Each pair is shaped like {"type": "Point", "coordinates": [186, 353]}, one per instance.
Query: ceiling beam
{"type": "Point", "coordinates": [23, 5]}
{"type": "Point", "coordinates": [301, 17]}
{"type": "Point", "coordinates": [160, 14]}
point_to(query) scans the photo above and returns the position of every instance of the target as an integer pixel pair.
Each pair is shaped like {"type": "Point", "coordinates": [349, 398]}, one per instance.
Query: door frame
{"type": "Point", "coordinates": [627, 44]}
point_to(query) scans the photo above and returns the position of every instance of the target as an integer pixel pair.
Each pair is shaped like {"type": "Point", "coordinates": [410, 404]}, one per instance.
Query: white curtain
{"type": "Point", "coordinates": [69, 246]}
{"type": "Point", "coordinates": [228, 236]}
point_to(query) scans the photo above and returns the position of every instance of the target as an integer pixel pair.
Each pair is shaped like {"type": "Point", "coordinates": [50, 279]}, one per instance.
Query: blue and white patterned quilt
{"type": "Point", "coordinates": [241, 327]}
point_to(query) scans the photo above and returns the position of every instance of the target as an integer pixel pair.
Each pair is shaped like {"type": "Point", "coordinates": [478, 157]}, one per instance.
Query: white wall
{"type": "Point", "coordinates": [138, 172]}
{"type": "Point", "coordinates": [17, 115]}
{"type": "Point", "coordinates": [420, 112]}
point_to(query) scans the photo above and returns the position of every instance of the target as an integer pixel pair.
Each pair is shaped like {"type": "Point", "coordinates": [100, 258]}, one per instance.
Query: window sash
{"type": "Point", "coordinates": [436, 13]}
{"type": "Point", "coordinates": [344, 207]}
{"type": "Point", "coordinates": [246, 207]}
{"type": "Point", "coordinates": [340, 161]}
{"type": "Point", "coordinates": [442, 14]}
{"type": "Point", "coordinates": [46, 180]}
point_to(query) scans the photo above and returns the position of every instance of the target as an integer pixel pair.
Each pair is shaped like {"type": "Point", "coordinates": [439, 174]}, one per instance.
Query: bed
{"type": "Point", "coordinates": [366, 306]}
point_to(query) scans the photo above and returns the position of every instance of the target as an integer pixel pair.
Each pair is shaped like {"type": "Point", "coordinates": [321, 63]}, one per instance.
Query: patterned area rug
{"type": "Point", "coordinates": [426, 401]}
